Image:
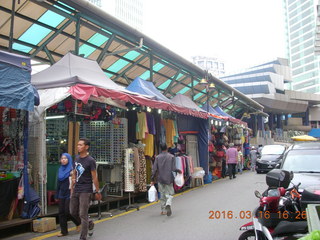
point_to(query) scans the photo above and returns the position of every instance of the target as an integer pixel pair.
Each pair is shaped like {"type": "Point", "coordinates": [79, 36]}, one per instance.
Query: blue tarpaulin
{"type": "Point", "coordinates": [189, 123]}
{"type": "Point", "coordinates": [147, 88]}
{"type": "Point", "coordinates": [315, 132]}
{"type": "Point", "coordinates": [221, 112]}
{"type": "Point", "coordinates": [16, 90]}
{"type": "Point", "coordinates": [210, 109]}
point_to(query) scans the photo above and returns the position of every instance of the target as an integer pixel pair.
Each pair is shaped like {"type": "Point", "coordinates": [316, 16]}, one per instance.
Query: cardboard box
{"type": "Point", "coordinates": [44, 224]}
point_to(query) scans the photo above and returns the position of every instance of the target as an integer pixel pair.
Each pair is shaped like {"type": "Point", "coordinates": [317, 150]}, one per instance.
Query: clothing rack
{"type": "Point", "coordinates": [129, 206]}
{"type": "Point", "coordinates": [99, 204]}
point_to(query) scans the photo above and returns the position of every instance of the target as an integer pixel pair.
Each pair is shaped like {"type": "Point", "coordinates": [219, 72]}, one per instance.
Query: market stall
{"type": "Point", "coordinates": [78, 104]}
{"type": "Point", "coordinates": [62, 118]}
{"type": "Point", "coordinates": [18, 97]}
{"type": "Point", "coordinates": [184, 132]}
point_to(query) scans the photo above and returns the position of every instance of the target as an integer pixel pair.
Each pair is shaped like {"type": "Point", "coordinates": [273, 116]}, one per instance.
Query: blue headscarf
{"type": "Point", "coordinates": [64, 170]}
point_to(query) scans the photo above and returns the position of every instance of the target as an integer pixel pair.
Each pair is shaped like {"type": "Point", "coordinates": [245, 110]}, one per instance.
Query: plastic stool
{"type": "Point", "coordinates": [50, 198]}
{"type": "Point", "coordinates": [198, 180]}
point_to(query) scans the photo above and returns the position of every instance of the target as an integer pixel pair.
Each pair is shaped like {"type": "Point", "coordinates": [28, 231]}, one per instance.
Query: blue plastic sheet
{"type": "Point", "coordinates": [147, 88]}
{"type": "Point", "coordinates": [16, 90]}
{"type": "Point", "coordinates": [188, 123]}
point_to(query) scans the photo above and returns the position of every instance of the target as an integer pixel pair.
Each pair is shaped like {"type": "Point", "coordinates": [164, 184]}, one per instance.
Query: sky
{"type": "Point", "coordinates": [242, 33]}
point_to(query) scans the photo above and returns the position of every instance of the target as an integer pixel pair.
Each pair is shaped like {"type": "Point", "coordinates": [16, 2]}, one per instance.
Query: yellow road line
{"type": "Point", "coordinates": [118, 215]}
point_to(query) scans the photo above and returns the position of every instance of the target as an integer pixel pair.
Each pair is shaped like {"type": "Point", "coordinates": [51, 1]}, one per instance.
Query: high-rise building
{"type": "Point", "coordinates": [214, 66]}
{"type": "Point", "coordinates": [128, 11]}
{"type": "Point", "coordinates": [96, 2]}
{"type": "Point", "coordinates": [300, 19]}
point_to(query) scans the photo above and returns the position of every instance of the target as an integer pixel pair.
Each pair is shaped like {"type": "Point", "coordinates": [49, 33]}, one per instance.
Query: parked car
{"type": "Point", "coordinates": [271, 156]}
{"type": "Point", "coordinates": [303, 160]}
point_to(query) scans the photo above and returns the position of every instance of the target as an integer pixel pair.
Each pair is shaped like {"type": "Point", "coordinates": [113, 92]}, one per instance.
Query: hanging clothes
{"type": "Point", "coordinates": [162, 132]}
{"type": "Point", "coordinates": [176, 136]}
{"type": "Point", "coordinates": [170, 132]}
{"type": "Point", "coordinates": [149, 142]}
{"type": "Point", "coordinates": [151, 124]}
{"type": "Point", "coordinates": [142, 126]}
{"type": "Point", "coordinates": [136, 165]}
{"type": "Point", "coordinates": [142, 171]}
{"type": "Point", "coordinates": [149, 168]}
{"type": "Point", "coordinates": [157, 120]}
{"type": "Point", "coordinates": [132, 123]}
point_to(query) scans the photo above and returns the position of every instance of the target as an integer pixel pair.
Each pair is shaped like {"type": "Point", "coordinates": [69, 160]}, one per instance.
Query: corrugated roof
{"type": "Point", "coordinates": [46, 30]}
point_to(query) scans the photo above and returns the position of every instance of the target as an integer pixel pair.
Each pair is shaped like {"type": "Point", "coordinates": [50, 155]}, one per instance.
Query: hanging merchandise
{"type": "Point", "coordinates": [142, 171]}
{"type": "Point", "coordinates": [142, 126]}
{"type": "Point", "coordinates": [171, 130]}
{"type": "Point", "coordinates": [128, 170]}
{"type": "Point", "coordinates": [149, 145]}
{"type": "Point", "coordinates": [108, 139]}
{"type": "Point", "coordinates": [192, 149]}
{"type": "Point", "coordinates": [12, 123]}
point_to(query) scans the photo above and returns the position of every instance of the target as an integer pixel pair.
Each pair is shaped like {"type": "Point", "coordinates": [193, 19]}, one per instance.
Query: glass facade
{"type": "Point", "coordinates": [128, 11]}
{"type": "Point", "coordinates": [300, 28]}
{"type": "Point", "coordinates": [268, 78]}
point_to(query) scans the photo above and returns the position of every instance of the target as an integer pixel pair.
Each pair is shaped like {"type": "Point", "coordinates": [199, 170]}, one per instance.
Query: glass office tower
{"type": "Point", "coordinates": [300, 19]}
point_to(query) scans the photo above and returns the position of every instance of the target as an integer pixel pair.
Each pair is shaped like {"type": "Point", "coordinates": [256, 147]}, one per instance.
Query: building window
{"type": "Point", "coordinates": [209, 65]}
{"type": "Point", "coordinates": [201, 64]}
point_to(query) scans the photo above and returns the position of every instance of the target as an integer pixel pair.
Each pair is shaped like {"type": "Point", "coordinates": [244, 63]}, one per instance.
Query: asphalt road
{"type": "Point", "coordinates": [215, 211]}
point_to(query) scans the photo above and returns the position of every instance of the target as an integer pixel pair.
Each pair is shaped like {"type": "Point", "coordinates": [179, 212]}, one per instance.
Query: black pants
{"type": "Point", "coordinates": [64, 214]}
{"type": "Point", "coordinates": [223, 170]}
{"type": "Point", "coordinates": [232, 170]}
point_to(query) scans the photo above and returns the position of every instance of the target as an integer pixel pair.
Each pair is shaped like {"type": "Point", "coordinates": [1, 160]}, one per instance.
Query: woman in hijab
{"type": "Point", "coordinates": [63, 194]}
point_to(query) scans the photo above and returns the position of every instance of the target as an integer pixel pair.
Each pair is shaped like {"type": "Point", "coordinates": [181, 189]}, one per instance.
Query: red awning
{"type": "Point", "coordinates": [83, 93]}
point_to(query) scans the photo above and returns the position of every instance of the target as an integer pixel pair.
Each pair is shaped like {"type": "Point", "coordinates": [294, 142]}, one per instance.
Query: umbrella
{"type": "Point", "coordinates": [303, 138]}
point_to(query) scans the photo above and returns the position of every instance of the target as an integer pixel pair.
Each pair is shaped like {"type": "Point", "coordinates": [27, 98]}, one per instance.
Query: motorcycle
{"type": "Point", "coordinates": [279, 215]}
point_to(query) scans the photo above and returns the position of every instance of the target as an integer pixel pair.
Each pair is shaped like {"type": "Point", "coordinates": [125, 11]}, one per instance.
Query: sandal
{"type": "Point", "coordinates": [61, 235]}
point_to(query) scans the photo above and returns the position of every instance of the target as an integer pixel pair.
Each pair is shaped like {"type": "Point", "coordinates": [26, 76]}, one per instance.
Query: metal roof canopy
{"type": "Point", "coordinates": [46, 30]}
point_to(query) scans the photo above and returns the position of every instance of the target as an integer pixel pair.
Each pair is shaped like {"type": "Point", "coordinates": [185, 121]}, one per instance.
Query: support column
{"type": "Point", "coordinates": [306, 118]}
{"type": "Point", "coordinates": [260, 123]}
{"type": "Point", "coordinates": [271, 121]}
{"type": "Point", "coordinates": [279, 124]}
{"type": "Point", "coordinates": [286, 120]}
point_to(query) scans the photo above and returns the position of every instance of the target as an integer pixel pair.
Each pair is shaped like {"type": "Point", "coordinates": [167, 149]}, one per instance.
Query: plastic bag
{"type": "Point", "coordinates": [152, 194]}
{"type": "Point", "coordinates": [179, 180]}
{"type": "Point", "coordinates": [200, 173]}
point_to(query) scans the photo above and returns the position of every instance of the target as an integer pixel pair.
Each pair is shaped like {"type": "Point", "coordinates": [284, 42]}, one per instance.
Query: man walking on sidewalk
{"type": "Point", "coordinates": [84, 174]}
{"type": "Point", "coordinates": [164, 166]}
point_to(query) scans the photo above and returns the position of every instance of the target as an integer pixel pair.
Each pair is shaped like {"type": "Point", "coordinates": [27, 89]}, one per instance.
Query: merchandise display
{"type": "Point", "coordinates": [128, 170]}
{"type": "Point", "coordinates": [108, 139]}
{"type": "Point", "coordinates": [57, 135]}
{"type": "Point", "coordinates": [11, 142]}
